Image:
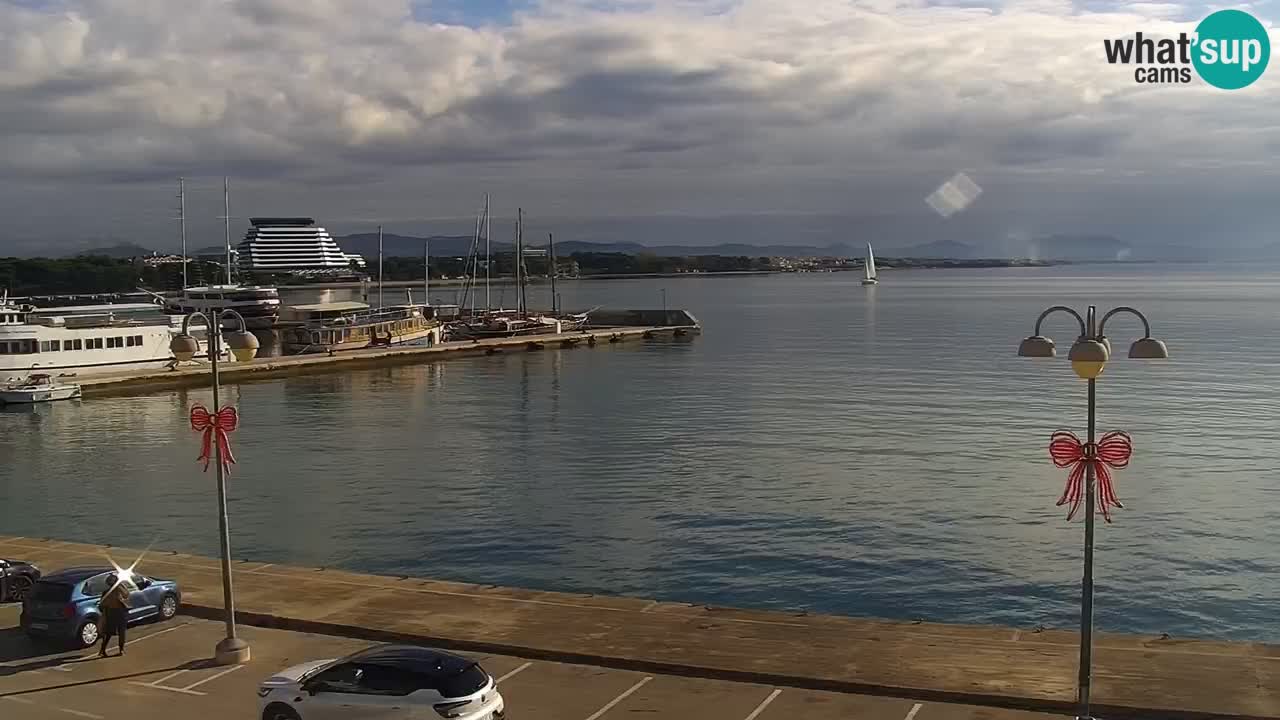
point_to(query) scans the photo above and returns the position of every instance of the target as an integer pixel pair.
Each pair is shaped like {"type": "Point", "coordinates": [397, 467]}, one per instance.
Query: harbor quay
{"type": "Point", "coordinates": [612, 327]}
{"type": "Point", "coordinates": [607, 646]}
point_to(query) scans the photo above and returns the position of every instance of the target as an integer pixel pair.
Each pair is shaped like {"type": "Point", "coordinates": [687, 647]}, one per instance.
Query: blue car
{"type": "Point", "coordinates": [64, 605]}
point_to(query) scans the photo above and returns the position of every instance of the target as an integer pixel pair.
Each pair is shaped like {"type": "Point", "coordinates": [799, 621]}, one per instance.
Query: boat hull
{"type": "Point", "coordinates": [39, 395]}
{"type": "Point", "coordinates": [296, 348]}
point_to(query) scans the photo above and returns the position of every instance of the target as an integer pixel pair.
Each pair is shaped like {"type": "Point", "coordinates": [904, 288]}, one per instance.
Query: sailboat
{"type": "Point", "coordinates": [869, 268]}
{"type": "Point", "coordinates": [259, 305]}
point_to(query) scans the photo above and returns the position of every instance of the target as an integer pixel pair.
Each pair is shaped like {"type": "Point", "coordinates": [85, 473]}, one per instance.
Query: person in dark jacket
{"type": "Point", "coordinates": [114, 606]}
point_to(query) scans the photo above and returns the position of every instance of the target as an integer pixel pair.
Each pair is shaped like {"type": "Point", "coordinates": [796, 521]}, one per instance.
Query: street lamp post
{"type": "Point", "coordinates": [1089, 356]}
{"type": "Point", "coordinates": [664, 302]}
{"type": "Point", "coordinates": [230, 650]}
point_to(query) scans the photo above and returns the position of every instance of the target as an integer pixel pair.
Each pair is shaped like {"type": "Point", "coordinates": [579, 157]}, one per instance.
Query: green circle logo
{"type": "Point", "coordinates": [1232, 49]}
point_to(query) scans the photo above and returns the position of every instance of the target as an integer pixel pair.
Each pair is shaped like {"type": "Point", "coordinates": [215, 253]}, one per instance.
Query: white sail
{"type": "Point", "coordinates": [870, 267]}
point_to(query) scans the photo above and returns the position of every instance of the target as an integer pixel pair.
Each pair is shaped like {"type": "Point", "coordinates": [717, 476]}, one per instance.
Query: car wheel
{"type": "Point", "coordinates": [280, 711]}
{"type": "Point", "coordinates": [88, 633]}
{"type": "Point", "coordinates": [168, 607]}
{"type": "Point", "coordinates": [19, 586]}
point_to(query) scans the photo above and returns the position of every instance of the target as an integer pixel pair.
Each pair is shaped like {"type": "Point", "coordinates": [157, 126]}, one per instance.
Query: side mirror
{"type": "Point", "coordinates": [312, 688]}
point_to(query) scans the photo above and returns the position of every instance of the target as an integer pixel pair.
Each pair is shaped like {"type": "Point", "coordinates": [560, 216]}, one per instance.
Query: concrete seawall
{"type": "Point", "coordinates": [1134, 676]}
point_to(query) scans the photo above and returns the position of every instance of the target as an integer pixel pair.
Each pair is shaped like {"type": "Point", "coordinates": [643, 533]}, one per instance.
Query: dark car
{"type": "Point", "coordinates": [64, 605]}
{"type": "Point", "coordinates": [16, 578]}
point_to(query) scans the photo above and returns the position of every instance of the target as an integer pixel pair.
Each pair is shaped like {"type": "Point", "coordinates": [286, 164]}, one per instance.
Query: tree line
{"type": "Point", "coordinates": [92, 274]}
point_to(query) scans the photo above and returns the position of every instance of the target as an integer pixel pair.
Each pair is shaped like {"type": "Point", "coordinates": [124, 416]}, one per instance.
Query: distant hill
{"type": "Point", "coordinates": [121, 251]}
{"type": "Point", "coordinates": [1081, 248]}
{"type": "Point", "coordinates": [366, 245]}
{"type": "Point", "coordinates": [938, 250]}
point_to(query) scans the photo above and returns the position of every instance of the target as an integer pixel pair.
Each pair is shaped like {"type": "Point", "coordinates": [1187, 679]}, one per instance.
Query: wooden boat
{"type": "Point", "coordinates": [334, 327]}
{"type": "Point", "coordinates": [38, 388]}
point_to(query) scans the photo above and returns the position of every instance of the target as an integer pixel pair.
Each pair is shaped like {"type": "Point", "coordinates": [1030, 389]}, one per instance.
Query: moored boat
{"type": "Point", "coordinates": [82, 340]}
{"type": "Point", "coordinates": [37, 387]}
{"type": "Point", "coordinates": [338, 326]}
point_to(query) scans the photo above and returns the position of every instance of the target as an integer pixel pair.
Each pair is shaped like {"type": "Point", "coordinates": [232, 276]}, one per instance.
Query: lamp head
{"type": "Point", "coordinates": [1148, 349]}
{"type": "Point", "coordinates": [244, 345]}
{"type": "Point", "coordinates": [1037, 346]}
{"type": "Point", "coordinates": [1088, 358]}
{"type": "Point", "coordinates": [184, 347]}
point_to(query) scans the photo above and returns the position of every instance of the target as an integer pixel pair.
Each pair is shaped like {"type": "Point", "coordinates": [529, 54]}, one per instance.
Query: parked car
{"type": "Point", "coordinates": [16, 578]}
{"type": "Point", "coordinates": [63, 605]}
{"type": "Point", "coordinates": [383, 682]}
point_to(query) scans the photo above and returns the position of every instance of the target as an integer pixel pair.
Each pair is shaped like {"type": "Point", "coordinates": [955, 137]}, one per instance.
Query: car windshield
{"type": "Point", "coordinates": [464, 682]}
{"type": "Point", "coordinates": [51, 592]}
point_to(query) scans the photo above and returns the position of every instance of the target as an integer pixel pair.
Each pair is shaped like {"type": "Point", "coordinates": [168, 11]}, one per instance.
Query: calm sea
{"type": "Point", "coordinates": [822, 446]}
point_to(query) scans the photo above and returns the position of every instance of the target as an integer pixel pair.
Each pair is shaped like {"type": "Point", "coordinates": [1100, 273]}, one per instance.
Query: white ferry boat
{"type": "Point", "coordinates": [81, 340]}
{"type": "Point", "coordinates": [258, 305]}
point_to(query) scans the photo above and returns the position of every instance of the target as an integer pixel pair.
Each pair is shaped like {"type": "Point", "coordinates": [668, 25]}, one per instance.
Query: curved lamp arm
{"type": "Point", "coordinates": [1146, 326]}
{"type": "Point", "coordinates": [186, 321]}
{"type": "Point", "coordinates": [1061, 308]}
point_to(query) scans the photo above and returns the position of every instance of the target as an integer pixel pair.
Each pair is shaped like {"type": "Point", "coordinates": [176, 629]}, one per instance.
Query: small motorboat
{"type": "Point", "coordinates": [38, 388]}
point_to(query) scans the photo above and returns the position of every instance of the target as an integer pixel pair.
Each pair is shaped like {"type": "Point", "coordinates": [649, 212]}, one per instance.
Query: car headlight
{"type": "Point", "coordinates": [264, 691]}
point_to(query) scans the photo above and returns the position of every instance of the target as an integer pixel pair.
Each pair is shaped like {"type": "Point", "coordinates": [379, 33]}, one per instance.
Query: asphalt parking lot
{"type": "Point", "coordinates": [166, 673]}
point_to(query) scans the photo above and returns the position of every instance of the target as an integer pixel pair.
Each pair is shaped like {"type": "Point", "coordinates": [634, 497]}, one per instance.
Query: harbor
{"type": "Point", "coordinates": [927, 664]}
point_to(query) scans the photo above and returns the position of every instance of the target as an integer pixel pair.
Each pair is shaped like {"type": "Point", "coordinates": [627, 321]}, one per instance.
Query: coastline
{"type": "Point", "coordinates": [886, 264]}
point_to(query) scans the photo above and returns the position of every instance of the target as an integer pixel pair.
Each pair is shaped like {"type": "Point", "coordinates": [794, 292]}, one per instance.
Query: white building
{"type": "Point", "coordinates": [289, 244]}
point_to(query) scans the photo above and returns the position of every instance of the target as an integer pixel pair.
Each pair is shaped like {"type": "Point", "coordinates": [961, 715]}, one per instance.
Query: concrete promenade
{"type": "Point", "coordinates": [1134, 676]}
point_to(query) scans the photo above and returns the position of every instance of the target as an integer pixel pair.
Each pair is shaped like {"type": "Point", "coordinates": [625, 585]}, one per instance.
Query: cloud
{"type": "Point", "coordinates": [652, 96]}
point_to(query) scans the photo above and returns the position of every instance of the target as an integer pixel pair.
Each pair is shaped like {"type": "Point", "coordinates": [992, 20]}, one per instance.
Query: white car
{"type": "Point", "coordinates": [386, 682]}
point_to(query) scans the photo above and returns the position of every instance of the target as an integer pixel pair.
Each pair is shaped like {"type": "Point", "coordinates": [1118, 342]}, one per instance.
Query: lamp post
{"type": "Point", "coordinates": [1089, 356]}
{"type": "Point", "coordinates": [664, 302]}
{"type": "Point", "coordinates": [230, 650]}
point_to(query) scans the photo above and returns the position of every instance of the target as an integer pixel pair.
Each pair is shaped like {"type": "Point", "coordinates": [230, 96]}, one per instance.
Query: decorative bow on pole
{"type": "Point", "coordinates": [215, 425]}
{"type": "Point", "coordinates": [1112, 451]}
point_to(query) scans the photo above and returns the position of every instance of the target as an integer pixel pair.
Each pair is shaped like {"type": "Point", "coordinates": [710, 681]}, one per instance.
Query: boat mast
{"type": "Point", "coordinates": [487, 257]}
{"type": "Point", "coordinates": [520, 306]}
{"type": "Point", "coordinates": [379, 267]}
{"type": "Point", "coordinates": [182, 226]}
{"type": "Point", "coordinates": [551, 247]}
{"type": "Point", "coordinates": [226, 223]}
{"type": "Point", "coordinates": [426, 271]}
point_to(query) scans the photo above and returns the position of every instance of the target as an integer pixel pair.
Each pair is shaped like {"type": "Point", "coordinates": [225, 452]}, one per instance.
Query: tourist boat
{"type": "Point", "coordinates": [258, 305]}
{"type": "Point", "coordinates": [38, 387]}
{"type": "Point", "coordinates": [337, 326]}
{"type": "Point", "coordinates": [83, 340]}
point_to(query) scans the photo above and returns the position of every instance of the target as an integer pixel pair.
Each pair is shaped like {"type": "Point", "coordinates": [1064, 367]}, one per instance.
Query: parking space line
{"type": "Point", "coordinates": [166, 687]}
{"type": "Point", "coordinates": [159, 632]}
{"type": "Point", "coordinates": [81, 713]}
{"type": "Point", "coordinates": [258, 569]}
{"type": "Point", "coordinates": [23, 701]}
{"type": "Point", "coordinates": [513, 673]}
{"type": "Point", "coordinates": [596, 715]}
{"type": "Point", "coordinates": [166, 677]}
{"type": "Point", "coordinates": [215, 676]}
{"type": "Point", "coordinates": [765, 703]}
{"type": "Point", "coordinates": [914, 709]}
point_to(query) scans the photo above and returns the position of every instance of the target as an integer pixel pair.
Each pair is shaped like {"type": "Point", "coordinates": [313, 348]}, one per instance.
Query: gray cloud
{"type": "Point", "coordinates": [831, 106]}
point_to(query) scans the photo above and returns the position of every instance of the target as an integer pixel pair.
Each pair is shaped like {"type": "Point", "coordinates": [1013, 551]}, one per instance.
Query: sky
{"type": "Point", "coordinates": [780, 121]}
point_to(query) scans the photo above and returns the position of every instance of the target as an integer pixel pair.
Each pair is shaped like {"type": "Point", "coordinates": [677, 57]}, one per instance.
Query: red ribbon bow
{"type": "Point", "coordinates": [1113, 450]}
{"type": "Point", "coordinates": [215, 425]}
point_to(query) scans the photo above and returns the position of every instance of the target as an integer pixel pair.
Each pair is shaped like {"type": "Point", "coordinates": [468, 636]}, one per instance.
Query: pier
{"type": "Point", "coordinates": [611, 327]}
{"type": "Point", "coordinates": [929, 664]}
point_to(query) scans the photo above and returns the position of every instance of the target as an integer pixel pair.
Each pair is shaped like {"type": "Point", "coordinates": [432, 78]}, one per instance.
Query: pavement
{"type": "Point", "coordinates": [166, 673]}
{"type": "Point", "coordinates": [1164, 678]}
